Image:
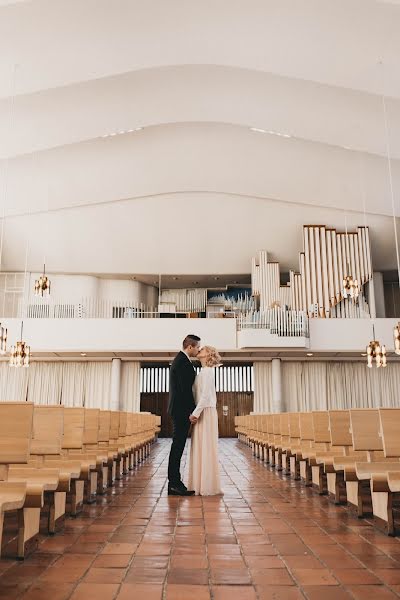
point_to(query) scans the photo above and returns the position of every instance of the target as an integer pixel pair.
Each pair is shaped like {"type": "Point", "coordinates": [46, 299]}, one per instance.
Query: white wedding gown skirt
{"type": "Point", "coordinates": [204, 476]}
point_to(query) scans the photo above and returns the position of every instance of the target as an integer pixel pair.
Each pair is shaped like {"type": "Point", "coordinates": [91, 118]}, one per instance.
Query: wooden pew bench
{"type": "Point", "coordinates": [20, 521]}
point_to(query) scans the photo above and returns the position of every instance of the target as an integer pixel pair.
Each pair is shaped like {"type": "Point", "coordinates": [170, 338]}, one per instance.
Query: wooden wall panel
{"type": "Point", "coordinates": [238, 403]}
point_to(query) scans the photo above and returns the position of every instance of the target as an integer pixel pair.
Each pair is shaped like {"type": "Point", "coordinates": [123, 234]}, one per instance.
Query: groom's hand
{"type": "Point", "coordinates": [193, 419]}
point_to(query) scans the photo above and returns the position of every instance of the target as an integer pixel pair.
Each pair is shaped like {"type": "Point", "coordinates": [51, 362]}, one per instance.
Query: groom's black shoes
{"type": "Point", "coordinates": [179, 490]}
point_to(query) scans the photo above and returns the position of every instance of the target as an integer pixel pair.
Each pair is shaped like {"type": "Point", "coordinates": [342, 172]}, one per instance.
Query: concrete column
{"type": "Point", "coordinates": [379, 295]}
{"type": "Point", "coordinates": [115, 385]}
{"type": "Point", "coordinates": [277, 404]}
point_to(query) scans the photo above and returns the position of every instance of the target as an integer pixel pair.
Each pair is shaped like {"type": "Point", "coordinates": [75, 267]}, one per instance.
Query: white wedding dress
{"type": "Point", "coordinates": [204, 476]}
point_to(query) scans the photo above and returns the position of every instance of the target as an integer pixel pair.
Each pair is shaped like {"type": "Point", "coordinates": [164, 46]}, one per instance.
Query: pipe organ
{"type": "Point", "coordinates": [187, 300]}
{"type": "Point", "coordinates": [317, 289]}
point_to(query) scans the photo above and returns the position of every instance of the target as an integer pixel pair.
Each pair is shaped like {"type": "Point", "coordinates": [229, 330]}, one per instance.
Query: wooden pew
{"type": "Point", "coordinates": [342, 442]}
{"type": "Point", "coordinates": [281, 446]}
{"type": "Point", "coordinates": [365, 430]}
{"type": "Point", "coordinates": [104, 444]}
{"type": "Point", "coordinates": [12, 498]}
{"type": "Point", "coordinates": [22, 500]}
{"type": "Point", "coordinates": [274, 437]}
{"type": "Point", "coordinates": [385, 490]}
{"type": "Point", "coordinates": [46, 442]}
{"type": "Point", "coordinates": [324, 451]}
{"type": "Point", "coordinates": [73, 449]}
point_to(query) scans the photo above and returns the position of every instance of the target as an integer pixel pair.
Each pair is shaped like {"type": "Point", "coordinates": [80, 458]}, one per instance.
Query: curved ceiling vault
{"type": "Point", "coordinates": [187, 82]}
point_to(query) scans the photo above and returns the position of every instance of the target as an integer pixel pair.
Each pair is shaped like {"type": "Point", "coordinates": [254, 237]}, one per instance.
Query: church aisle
{"type": "Point", "coordinates": [266, 538]}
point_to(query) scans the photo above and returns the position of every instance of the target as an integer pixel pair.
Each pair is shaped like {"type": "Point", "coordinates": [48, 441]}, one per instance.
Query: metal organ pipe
{"type": "Point", "coordinates": [307, 268]}
{"type": "Point", "coordinates": [325, 279]}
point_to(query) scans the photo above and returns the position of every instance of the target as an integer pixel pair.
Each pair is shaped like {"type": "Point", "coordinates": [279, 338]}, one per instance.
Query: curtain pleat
{"type": "Point", "coordinates": [262, 387]}
{"type": "Point", "coordinates": [13, 383]}
{"type": "Point", "coordinates": [74, 382]}
{"type": "Point", "coordinates": [97, 386]}
{"type": "Point", "coordinates": [130, 387]}
{"type": "Point", "coordinates": [45, 383]}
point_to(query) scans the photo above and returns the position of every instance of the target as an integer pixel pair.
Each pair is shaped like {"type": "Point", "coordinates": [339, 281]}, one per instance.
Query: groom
{"type": "Point", "coordinates": [181, 405]}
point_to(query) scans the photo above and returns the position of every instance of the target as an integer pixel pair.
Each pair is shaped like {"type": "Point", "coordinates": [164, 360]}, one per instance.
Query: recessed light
{"type": "Point", "coordinates": [83, 354]}
{"type": "Point", "coordinates": [258, 130]}
{"type": "Point", "coordinates": [363, 354]}
{"type": "Point", "coordinates": [310, 354]}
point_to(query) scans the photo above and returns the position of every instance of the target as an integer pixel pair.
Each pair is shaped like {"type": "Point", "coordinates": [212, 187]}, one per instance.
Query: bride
{"type": "Point", "coordinates": [203, 467]}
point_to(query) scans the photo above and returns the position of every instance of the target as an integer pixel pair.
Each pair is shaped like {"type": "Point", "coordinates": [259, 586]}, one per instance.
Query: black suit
{"type": "Point", "coordinates": [181, 405]}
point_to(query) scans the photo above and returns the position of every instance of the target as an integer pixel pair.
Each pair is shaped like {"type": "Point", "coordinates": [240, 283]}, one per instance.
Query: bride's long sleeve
{"type": "Point", "coordinates": [205, 391]}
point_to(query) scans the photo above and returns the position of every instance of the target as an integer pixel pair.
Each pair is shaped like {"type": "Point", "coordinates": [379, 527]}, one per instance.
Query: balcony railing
{"type": "Point", "coordinates": [278, 321]}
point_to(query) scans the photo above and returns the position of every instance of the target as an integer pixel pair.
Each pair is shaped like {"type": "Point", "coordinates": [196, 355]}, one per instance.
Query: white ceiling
{"type": "Point", "coordinates": [196, 76]}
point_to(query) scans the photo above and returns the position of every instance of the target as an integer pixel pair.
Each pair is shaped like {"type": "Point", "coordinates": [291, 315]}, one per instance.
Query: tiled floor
{"type": "Point", "coordinates": [267, 538]}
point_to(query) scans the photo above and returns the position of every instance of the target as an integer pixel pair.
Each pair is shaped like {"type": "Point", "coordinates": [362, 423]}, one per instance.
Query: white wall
{"type": "Point", "coordinates": [120, 335]}
{"type": "Point", "coordinates": [349, 335]}
{"type": "Point", "coordinates": [73, 288]}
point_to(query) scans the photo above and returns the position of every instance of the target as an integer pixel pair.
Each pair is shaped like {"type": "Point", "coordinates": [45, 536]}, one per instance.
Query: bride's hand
{"type": "Point", "coordinates": [193, 419]}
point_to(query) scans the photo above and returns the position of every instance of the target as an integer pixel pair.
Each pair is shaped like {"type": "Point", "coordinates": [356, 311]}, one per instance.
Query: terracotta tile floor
{"type": "Point", "coordinates": [267, 538]}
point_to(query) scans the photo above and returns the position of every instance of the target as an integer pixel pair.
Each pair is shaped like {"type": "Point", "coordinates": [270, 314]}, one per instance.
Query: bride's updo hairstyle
{"type": "Point", "coordinates": [213, 358]}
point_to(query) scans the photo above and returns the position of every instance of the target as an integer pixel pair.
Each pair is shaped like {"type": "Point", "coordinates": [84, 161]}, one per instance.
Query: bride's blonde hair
{"type": "Point", "coordinates": [213, 358]}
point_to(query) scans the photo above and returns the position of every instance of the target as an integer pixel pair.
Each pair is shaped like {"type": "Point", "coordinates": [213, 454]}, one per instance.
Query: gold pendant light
{"type": "Point", "coordinates": [20, 354]}
{"type": "Point", "coordinates": [42, 285]}
{"type": "Point", "coordinates": [376, 352]}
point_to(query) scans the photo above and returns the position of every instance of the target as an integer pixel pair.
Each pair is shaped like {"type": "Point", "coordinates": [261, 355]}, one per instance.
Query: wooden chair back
{"type": "Point", "coordinates": [48, 430]}
{"type": "Point", "coordinates": [16, 423]}
{"type": "Point", "coordinates": [365, 429]}
{"type": "Point", "coordinates": [390, 431]}
{"type": "Point", "coordinates": [74, 424]}
{"type": "Point", "coordinates": [339, 427]}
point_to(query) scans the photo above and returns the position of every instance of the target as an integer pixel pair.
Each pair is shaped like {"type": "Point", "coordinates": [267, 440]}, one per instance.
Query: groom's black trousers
{"type": "Point", "coordinates": [181, 425]}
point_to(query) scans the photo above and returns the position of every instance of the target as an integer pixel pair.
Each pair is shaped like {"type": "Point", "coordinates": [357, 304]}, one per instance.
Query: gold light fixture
{"type": "Point", "coordinates": [20, 354]}
{"type": "Point", "coordinates": [42, 285]}
{"type": "Point", "coordinates": [3, 340]}
{"type": "Point", "coordinates": [351, 289]}
{"type": "Point", "coordinates": [376, 352]}
{"type": "Point", "coordinates": [396, 334]}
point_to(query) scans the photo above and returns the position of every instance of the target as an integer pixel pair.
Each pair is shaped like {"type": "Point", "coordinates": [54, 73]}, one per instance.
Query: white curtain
{"type": "Point", "coordinates": [292, 388]}
{"type": "Point", "coordinates": [45, 383]}
{"type": "Point", "coordinates": [97, 385]}
{"type": "Point", "coordinates": [314, 386]}
{"type": "Point", "coordinates": [13, 383]}
{"type": "Point", "coordinates": [130, 387]}
{"type": "Point", "coordinates": [262, 387]}
{"type": "Point", "coordinates": [329, 385]}
{"type": "Point", "coordinates": [74, 383]}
